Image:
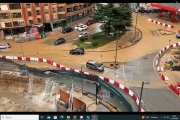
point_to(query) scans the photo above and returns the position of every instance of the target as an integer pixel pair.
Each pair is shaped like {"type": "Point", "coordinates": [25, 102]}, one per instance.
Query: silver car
{"type": "Point", "coordinates": [178, 35]}
{"type": "Point", "coordinates": [92, 64]}
{"type": "Point", "coordinates": [4, 46]}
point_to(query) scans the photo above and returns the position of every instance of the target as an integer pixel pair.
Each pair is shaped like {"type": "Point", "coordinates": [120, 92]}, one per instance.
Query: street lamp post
{"type": "Point", "coordinates": [81, 80]}
{"type": "Point", "coordinates": [116, 50]}
{"type": "Point", "coordinates": [23, 54]}
{"type": "Point", "coordinates": [135, 27]}
{"type": "Point", "coordinates": [142, 87]}
{"type": "Point", "coordinates": [97, 86]}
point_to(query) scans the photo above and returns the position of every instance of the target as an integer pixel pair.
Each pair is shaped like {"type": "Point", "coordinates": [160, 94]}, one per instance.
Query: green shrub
{"type": "Point", "coordinates": [82, 39]}
{"type": "Point", "coordinates": [94, 43]}
{"type": "Point", "coordinates": [94, 37]}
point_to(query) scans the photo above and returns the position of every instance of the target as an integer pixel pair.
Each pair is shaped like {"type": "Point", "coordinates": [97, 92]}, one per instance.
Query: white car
{"type": "Point", "coordinates": [77, 26]}
{"type": "Point", "coordinates": [81, 27]}
{"type": "Point", "coordinates": [4, 46]}
{"type": "Point", "coordinates": [83, 34]}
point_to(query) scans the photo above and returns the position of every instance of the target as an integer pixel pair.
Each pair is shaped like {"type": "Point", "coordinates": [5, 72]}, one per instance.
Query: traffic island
{"type": "Point", "coordinates": [165, 61]}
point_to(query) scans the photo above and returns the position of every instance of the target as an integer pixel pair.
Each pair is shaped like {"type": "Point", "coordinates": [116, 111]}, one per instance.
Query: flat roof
{"type": "Point", "coordinates": [167, 6]}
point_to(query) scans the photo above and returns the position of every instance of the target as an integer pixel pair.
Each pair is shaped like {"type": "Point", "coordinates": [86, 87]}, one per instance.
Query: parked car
{"type": "Point", "coordinates": [83, 34]}
{"type": "Point", "coordinates": [77, 26]}
{"type": "Point", "coordinates": [4, 46]}
{"type": "Point", "coordinates": [59, 41]}
{"type": "Point", "coordinates": [141, 10]}
{"type": "Point", "coordinates": [178, 35]}
{"type": "Point", "coordinates": [67, 29]}
{"type": "Point", "coordinates": [80, 27]}
{"type": "Point", "coordinates": [89, 22]}
{"type": "Point", "coordinates": [77, 51]}
{"type": "Point", "coordinates": [94, 65]}
{"type": "Point", "coordinates": [147, 11]}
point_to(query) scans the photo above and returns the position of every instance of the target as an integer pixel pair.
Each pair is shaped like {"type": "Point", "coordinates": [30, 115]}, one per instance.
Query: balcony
{"type": "Point", "coordinates": [17, 15]}
{"type": "Point", "coordinates": [9, 24]}
{"type": "Point", "coordinates": [70, 9]}
{"type": "Point", "coordinates": [18, 23]}
{"type": "Point", "coordinates": [37, 4]}
{"type": "Point", "coordinates": [28, 5]}
{"type": "Point", "coordinates": [54, 10]}
{"type": "Point", "coordinates": [14, 6]}
{"type": "Point", "coordinates": [61, 16]}
{"type": "Point", "coordinates": [60, 9]}
{"type": "Point", "coordinates": [5, 16]}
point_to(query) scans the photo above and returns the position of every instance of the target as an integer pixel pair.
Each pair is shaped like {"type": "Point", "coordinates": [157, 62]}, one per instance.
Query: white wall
{"type": "Point", "coordinates": [4, 7]}
{"type": "Point", "coordinates": [2, 24]}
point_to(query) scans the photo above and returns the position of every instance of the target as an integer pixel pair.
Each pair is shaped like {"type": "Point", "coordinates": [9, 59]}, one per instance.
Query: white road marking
{"type": "Point", "coordinates": [141, 27]}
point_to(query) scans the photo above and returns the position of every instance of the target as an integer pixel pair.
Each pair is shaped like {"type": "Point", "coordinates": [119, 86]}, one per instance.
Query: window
{"type": "Point", "coordinates": [61, 16]}
{"type": "Point", "coordinates": [29, 13]}
{"type": "Point", "coordinates": [5, 15]}
{"type": "Point", "coordinates": [37, 4]}
{"type": "Point", "coordinates": [13, 6]}
{"type": "Point", "coordinates": [61, 9]}
{"type": "Point", "coordinates": [30, 22]}
{"type": "Point", "coordinates": [38, 12]}
{"type": "Point", "coordinates": [46, 4]}
{"type": "Point", "coordinates": [39, 20]}
{"type": "Point", "coordinates": [54, 9]}
{"type": "Point", "coordinates": [55, 17]}
{"type": "Point", "coordinates": [18, 23]}
{"type": "Point", "coordinates": [9, 24]}
{"type": "Point", "coordinates": [70, 9]}
{"type": "Point", "coordinates": [76, 7]}
{"type": "Point", "coordinates": [17, 15]}
{"type": "Point", "coordinates": [47, 18]}
{"type": "Point", "coordinates": [46, 11]}
{"type": "Point", "coordinates": [28, 5]}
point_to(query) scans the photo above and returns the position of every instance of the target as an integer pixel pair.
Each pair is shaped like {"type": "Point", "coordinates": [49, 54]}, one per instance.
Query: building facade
{"type": "Point", "coordinates": [21, 15]}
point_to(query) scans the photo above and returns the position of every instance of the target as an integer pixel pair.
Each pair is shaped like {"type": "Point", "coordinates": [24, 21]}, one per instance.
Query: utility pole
{"type": "Point", "coordinates": [81, 79]}
{"type": "Point", "coordinates": [142, 87]}
{"type": "Point", "coordinates": [135, 27]}
{"type": "Point", "coordinates": [24, 61]}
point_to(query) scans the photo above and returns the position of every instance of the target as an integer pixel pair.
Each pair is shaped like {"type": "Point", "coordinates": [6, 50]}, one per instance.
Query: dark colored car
{"type": "Point", "coordinates": [67, 29]}
{"type": "Point", "coordinates": [141, 10]}
{"type": "Point", "coordinates": [59, 41]}
{"type": "Point", "coordinates": [156, 10]}
{"type": "Point", "coordinates": [91, 64]}
{"type": "Point", "coordinates": [148, 11]}
{"type": "Point", "coordinates": [89, 22]}
{"type": "Point", "coordinates": [178, 35]}
{"type": "Point", "coordinates": [77, 51]}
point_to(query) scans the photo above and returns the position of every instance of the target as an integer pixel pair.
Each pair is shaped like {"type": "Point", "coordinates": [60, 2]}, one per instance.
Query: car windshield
{"type": "Point", "coordinates": [98, 64]}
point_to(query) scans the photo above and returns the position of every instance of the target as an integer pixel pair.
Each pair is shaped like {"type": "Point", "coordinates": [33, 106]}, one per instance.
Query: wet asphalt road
{"type": "Point", "coordinates": [156, 96]}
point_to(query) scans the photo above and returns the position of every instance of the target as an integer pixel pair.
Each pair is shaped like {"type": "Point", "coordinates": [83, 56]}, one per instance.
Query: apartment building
{"type": "Point", "coordinates": [17, 16]}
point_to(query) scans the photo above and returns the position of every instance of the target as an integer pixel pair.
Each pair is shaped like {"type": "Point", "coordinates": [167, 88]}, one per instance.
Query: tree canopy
{"type": "Point", "coordinates": [115, 17]}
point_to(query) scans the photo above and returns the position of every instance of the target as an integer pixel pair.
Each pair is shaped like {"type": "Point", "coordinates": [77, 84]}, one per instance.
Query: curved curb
{"type": "Point", "coordinates": [160, 23]}
{"type": "Point", "coordinates": [123, 47]}
{"type": "Point", "coordinates": [160, 69]}
{"type": "Point", "coordinates": [63, 68]}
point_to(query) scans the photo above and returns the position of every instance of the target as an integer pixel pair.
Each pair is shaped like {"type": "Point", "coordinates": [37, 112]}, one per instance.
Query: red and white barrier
{"type": "Point", "coordinates": [160, 23]}
{"type": "Point", "coordinates": [159, 68]}
{"type": "Point", "coordinates": [104, 79]}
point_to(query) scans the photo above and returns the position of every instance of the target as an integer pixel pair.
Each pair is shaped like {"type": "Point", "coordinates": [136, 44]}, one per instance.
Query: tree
{"type": "Point", "coordinates": [114, 17]}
